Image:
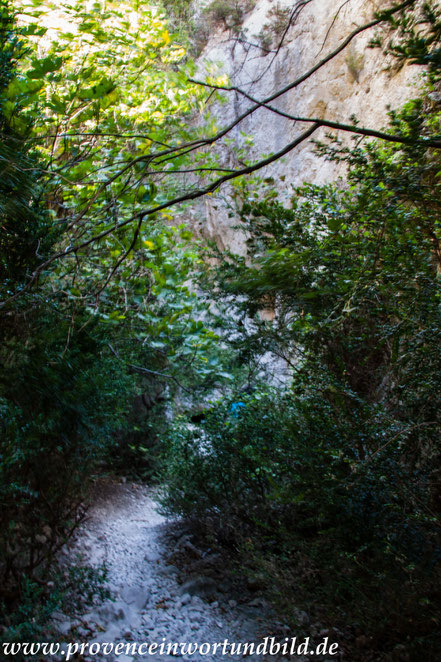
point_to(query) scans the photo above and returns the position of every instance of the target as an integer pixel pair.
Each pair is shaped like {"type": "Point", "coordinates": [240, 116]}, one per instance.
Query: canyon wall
{"type": "Point", "coordinates": [361, 82]}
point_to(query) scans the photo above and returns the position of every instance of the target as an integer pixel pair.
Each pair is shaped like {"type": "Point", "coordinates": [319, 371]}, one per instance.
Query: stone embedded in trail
{"type": "Point", "coordinates": [152, 557]}
{"type": "Point", "coordinates": [110, 611]}
{"type": "Point", "coordinates": [111, 634]}
{"type": "Point", "coordinates": [135, 595]}
{"type": "Point", "coordinates": [170, 570]}
{"type": "Point", "coordinates": [64, 627]}
{"type": "Point", "coordinates": [62, 623]}
{"type": "Point", "coordinates": [199, 586]}
{"type": "Point", "coordinates": [194, 551]}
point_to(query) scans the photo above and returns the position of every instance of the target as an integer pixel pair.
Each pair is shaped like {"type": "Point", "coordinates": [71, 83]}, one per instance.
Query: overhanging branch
{"type": "Point", "coordinates": [433, 141]}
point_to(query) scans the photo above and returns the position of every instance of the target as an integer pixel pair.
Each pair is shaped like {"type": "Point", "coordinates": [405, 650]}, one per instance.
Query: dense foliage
{"type": "Point", "coordinates": [61, 394]}
{"type": "Point", "coordinates": [83, 341]}
{"type": "Point", "coordinates": [331, 488]}
{"type": "Point", "coordinates": [328, 487]}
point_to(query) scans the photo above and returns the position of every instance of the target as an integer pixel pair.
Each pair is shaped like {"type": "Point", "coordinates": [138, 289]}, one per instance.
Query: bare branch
{"type": "Point", "coordinates": [190, 195]}
{"type": "Point", "coordinates": [434, 141]}
{"type": "Point", "coordinates": [121, 259]}
{"type": "Point", "coordinates": [196, 144]}
{"type": "Point", "coordinates": [161, 156]}
{"type": "Point", "coordinates": [301, 79]}
{"type": "Point", "coordinates": [146, 371]}
{"type": "Point", "coordinates": [298, 7]}
{"type": "Point", "coordinates": [332, 25]}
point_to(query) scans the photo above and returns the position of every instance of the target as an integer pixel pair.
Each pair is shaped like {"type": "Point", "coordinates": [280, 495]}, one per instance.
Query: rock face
{"type": "Point", "coordinates": [360, 81]}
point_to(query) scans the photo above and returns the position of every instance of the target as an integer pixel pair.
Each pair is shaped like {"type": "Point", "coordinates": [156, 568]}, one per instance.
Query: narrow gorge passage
{"type": "Point", "coordinates": [152, 599]}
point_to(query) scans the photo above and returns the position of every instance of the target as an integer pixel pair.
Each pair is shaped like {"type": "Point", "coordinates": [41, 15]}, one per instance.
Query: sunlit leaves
{"type": "Point", "coordinates": [106, 87]}
{"type": "Point", "coordinates": [43, 66]}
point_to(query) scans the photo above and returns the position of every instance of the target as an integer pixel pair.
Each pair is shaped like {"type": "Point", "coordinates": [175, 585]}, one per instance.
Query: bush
{"type": "Point", "coordinates": [62, 392]}
{"type": "Point", "coordinates": [279, 479]}
{"type": "Point", "coordinates": [58, 415]}
{"type": "Point", "coordinates": [73, 590]}
{"type": "Point", "coordinates": [273, 31]}
{"type": "Point", "coordinates": [228, 12]}
{"type": "Point", "coordinates": [333, 487]}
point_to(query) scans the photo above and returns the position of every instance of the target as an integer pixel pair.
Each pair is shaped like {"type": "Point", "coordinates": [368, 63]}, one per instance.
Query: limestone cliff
{"type": "Point", "coordinates": [360, 81]}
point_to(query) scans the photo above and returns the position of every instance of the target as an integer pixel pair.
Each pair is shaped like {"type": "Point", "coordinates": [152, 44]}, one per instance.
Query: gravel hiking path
{"type": "Point", "coordinates": [152, 599]}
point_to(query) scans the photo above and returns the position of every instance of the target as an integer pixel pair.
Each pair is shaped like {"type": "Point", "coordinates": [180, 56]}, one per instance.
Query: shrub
{"type": "Point", "coordinates": [58, 414]}
{"type": "Point", "coordinates": [273, 31]}
{"type": "Point", "coordinates": [228, 12]}
{"type": "Point", "coordinates": [280, 480]}
{"type": "Point", "coordinates": [73, 590]}
{"type": "Point", "coordinates": [62, 392]}
{"type": "Point", "coordinates": [333, 487]}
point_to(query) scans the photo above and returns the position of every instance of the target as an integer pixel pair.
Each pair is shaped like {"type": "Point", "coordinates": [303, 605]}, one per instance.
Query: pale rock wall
{"type": "Point", "coordinates": [357, 82]}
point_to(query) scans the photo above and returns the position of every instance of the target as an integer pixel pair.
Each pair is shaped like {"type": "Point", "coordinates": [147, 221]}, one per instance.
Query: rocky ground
{"type": "Point", "coordinates": [162, 586]}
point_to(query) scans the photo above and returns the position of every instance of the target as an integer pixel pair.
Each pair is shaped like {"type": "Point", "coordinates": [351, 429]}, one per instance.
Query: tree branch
{"type": "Point", "coordinates": [145, 371]}
{"type": "Point", "coordinates": [191, 195]}
{"type": "Point", "coordinates": [203, 142]}
{"type": "Point", "coordinates": [434, 141]}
